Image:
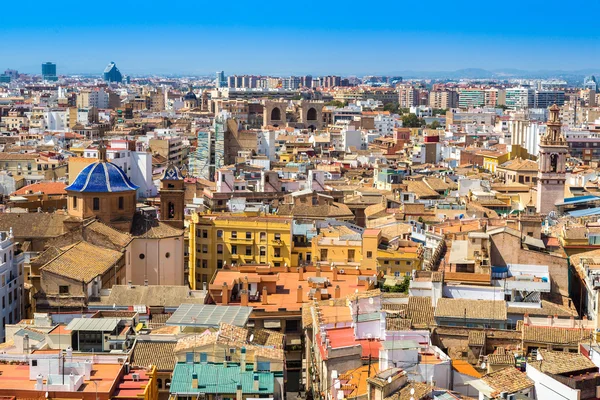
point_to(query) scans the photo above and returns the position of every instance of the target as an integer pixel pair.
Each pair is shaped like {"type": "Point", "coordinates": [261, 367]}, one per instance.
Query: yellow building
{"type": "Point", "coordinates": [491, 159]}
{"type": "Point", "coordinates": [217, 240]}
{"type": "Point", "coordinates": [350, 250]}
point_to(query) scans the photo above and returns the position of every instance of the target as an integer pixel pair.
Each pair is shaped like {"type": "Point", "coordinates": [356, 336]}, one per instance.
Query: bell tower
{"type": "Point", "coordinates": [172, 193]}
{"type": "Point", "coordinates": [552, 164]}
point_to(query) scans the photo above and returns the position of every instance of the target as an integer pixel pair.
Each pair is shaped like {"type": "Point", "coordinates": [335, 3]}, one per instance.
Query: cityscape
{"type": "Point", "coordinates": [231, 236]}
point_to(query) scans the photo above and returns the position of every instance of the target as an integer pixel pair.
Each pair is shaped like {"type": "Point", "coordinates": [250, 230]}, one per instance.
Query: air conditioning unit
{"type": "Point", "coordinates": [136, 377]}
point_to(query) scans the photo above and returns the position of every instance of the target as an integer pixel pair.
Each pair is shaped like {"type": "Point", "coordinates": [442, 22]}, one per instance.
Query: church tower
{"type": "Point", "coordinates": [552, 164]}
{"type": "Point", "coordinates": [172, 193]}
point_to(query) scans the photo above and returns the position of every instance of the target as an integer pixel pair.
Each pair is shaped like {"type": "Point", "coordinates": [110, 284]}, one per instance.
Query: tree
{"type": "Point", "coordinates": [439, 111]}
{"type": "Point", "coordinates": [335, 103]}
{"type": "Point", "coordinates": [412, 121]}
{"type": "Point", "coordinates": [434, 125]}
{"type": "Point", "coordinates": [391, 107]}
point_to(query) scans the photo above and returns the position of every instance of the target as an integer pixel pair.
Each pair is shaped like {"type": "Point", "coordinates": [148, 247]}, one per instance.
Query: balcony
{"type": "Point", "coordinates": [277, 242]}
{"type": "Point", "coordinates": [240, 240]}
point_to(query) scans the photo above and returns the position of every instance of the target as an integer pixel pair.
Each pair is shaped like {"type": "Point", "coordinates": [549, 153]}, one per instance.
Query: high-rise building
{"type": "Point", "coordinates": [590, 82]}
{"type": "Point", "coordinates": [112, 73]}
{"type": "Point", "coordinates": [443, 99]}
{"type": "Point", "coordinates": [545, 98]}
{"type": "Point", "coordinates": [49, 71]}
{"type": "Point", "coordinates": [471, 97]}
{"type": "Point", "coordinates": [408, 96]}
{"type": "Point", "coordinates": [221, 80]}
{"type": "Point", "coordinates": [518, 98]}
{"type": "Point", "coordinates": [13, 73]}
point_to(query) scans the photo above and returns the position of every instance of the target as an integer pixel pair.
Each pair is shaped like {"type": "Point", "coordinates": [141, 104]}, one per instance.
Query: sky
{"type": "Point", "coordinates": [298, 37]}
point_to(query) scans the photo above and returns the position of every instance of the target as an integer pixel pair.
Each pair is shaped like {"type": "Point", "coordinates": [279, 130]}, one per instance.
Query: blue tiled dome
{"type": "Point", "coordinates": [101, 177]}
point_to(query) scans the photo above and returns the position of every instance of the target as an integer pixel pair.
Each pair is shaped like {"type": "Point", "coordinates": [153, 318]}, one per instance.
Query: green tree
{"type": "Point", "coordinates": [401, 288]}
{"type": "Point", "coordinates": [391, 107]}
{"type": "Point", "coordinates": [412, 121]}
{"type": "Point", "coordinates": [439, 111]}
{"type": "Point", "coordinates": [434, 125]}
{"type": "Point", "coordinates": [335, 103]}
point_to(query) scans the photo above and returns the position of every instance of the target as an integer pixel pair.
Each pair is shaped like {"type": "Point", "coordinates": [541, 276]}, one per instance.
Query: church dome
{"type": "Point", "coordinates": [101, 177]}
{"type": "Point", "coordinates": [190, 96]}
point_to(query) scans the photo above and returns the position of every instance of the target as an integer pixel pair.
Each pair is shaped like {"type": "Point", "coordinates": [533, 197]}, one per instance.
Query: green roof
{"type": "Point", "coordinates": [217, 378]}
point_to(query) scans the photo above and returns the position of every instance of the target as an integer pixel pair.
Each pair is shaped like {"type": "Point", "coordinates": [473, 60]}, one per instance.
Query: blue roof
{"type": "Point", "coordinates": [219, 379]}
{"type": "Point", "coordinates": [577, 200]}
{"type": "Point", "coordinates": [585, 213]}
{"type": "Point", "coordinates": [101, 177]}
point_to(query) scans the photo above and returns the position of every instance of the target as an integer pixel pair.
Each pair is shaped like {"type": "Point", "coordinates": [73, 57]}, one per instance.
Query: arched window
{"type": "Point", "coordinates": [554, 162]}
{"type": "Point", "coordinates": [219, 249]}
{"type": "Point", "coordinates": [263, 251]}
{"type": "Point", "coordinates": [171, 210]}
{"type": "Point", "coordinates": [276, 114]}
{"type": "Point", "coordinates": [159, 382]}
{"type": "Point", "coordinates": [96, 203]}
{"type": "Point", "coordinates": [311, 115]}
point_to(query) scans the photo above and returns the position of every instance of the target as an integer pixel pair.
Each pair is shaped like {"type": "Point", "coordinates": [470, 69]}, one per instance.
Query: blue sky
{"type": "Point", "coordinates": [318, 37]}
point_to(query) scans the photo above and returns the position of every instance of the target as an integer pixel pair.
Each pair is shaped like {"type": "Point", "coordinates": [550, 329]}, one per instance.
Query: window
{"type": "Point", "coordinates": [278, 236]}
{"type": "Point", "coordinates": [324, 254]}
{"type": "Point", "coordinates": [351, 255]}
{"type": "Point", "coordinates": [159, 383]}
{"type": "Point", "coordinates": [233, 249]}
{"type": "Point", "coordinates": [203, 357]}
{"type": "Point", "coordinates": [219, 234]}
{"type": "Point", "coordinates": [233, 234]}
{"type": "Point", "coordinates": [205, 234]}
{"type": "Point", "coordinates": [219, 249]}
{"type": "Point", "coordinates": [219, 264]}
{"type": "Point", "coordinates": [263, 366]}
{"type": "Point", "coordinates": [204, 263]}
{"type": "Point", "coordinates": [369, 254]}
{"type": "Point", "coordinates": [263, 251]}
{"type": "Point", "coordinates": [96, 205]}
{"type": "Point", "coordinates": [248, 235]}
{"type": "Point", "coordinates": [204, 248]}
{"type": "Point", "coordinates": [121, 202]}
{"type": "Point", "coordinates": [276, 252]}
{"type": "Point", "coordinates": [263, 236]}
{"type": "Point", "coordinates": [63, 289]}
{"type": "Point", "coordinates": [248, 250]}
{"type": "Point", "coordinates": [74, 202]}
{"type": "Point", "coordinates": [189, 357]}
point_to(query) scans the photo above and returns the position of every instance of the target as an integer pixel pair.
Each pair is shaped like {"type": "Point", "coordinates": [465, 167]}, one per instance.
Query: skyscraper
{"type": "Point", "coordinates": [112, 73]}
{"type": "Point", "coordinates": [221, 80]}
{"type": "Point", "coordinates": [590, 83]}
{"type": "Point", "coordinates": [49, 71]}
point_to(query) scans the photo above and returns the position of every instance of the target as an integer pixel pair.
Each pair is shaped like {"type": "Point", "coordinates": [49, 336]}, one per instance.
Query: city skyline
{"type": "Point", "coordinates": [391, 39]}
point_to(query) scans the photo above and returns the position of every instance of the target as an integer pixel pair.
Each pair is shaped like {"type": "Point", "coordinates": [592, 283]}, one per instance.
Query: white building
{"type": "Point", "coordinates": [384, 124]}
{"type": "Point", "coordinates": [11, 279]}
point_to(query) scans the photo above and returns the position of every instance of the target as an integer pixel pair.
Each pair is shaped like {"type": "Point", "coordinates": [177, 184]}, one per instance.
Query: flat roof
{"type": "Point", "coordinates": [93, 324]}
{"type": "Point", "coordinates": [209, 315]}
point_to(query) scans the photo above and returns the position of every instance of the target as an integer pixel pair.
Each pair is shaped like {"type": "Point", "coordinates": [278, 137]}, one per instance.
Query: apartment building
{"type": "Point", "coordinates": [471, 97]}
{"type": "Point", "coordinates": [11, 274]}
{"type": "Point", "coordinates": [443, 99]}
{"type": "Point", "coordinates": [408, 96]}
{"type": "Point", "coordinates": [169, 147]}
{"type": "Point", "coordinates": [236, 239]}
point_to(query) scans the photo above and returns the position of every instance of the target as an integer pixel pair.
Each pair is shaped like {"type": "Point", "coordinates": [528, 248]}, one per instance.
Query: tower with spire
{"type": "Point", "coordinates": [552, 162]}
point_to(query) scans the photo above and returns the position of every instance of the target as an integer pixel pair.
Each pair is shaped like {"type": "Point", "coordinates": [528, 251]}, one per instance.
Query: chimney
{"type": "Point", "coordinates": [243, 359]}
{"type": "Point", "coordinates": [255, 385]}
{"type": "Point", "coordinates": [194, 380]}
{"type": "Point", "coordinates": [337, 291]}
{"type": "Point", "coordinates": [225, 294]}
{"type": "Point", "coordinates": [335, 272]}
{"type": "Point", "coordinates": [244, 298]}
{"type": "Point", "coordinates": [264, 296]}
{"type": "Point", "coordinates": [71, 382]}
{"type": "Point", "coordinates": [238, 392]}
{"type": "Point", "coordinates": [318, 272]}
{"type": "Point", "coordinates": [299, 294]}
{"type": "Point", "coordinates": [300, 273]}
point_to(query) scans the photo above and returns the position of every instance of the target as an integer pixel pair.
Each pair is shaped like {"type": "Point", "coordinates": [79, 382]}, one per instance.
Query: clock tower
{"type": "Point", "coordinates": [172, 193]}
{"type": "Point", "coordinates": [552, 162]}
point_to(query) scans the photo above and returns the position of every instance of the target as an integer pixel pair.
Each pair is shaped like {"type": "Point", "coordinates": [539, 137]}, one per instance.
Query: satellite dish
{"type": "Point", "coordinates": [483, 365]}
{"type": "Point", "coordinates": [389, 379]}
{"type": "Point", "coordinates": [252, 337]}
